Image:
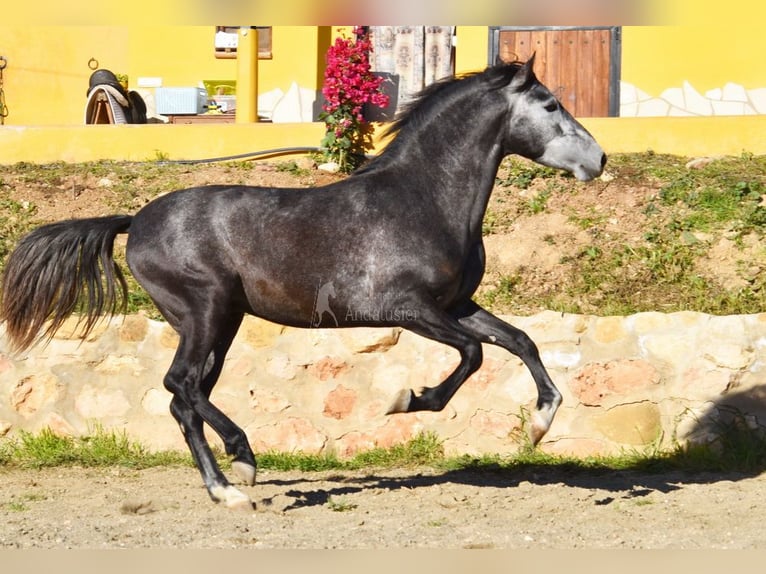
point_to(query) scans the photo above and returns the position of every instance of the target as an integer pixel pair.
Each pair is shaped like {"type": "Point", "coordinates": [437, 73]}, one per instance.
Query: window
{"type": "Point", "coordinates": [226, 38]}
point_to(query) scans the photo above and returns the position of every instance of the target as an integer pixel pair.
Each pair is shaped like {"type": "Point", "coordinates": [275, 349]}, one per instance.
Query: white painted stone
{"type": "Point", "coordinates": [296, 105]}
{"type": "Point", "coordinates": [757, 99]}
{"type": "Point", "coordinates": [675, 97]}
{"type": "Point", "coordinates": [655, 107]}
{"type": "Point", "coordinates": [726, 108]}
{"type": "Point", "coordinates": [714, 94]}
{"type": "Point", "coordinates": [267, 101]}
{"type": "Point", "coordinates": [629, 110]}
{"type": "Point", "coordinates": [696, 103]}
{"type": "Point", "coordinates": [330, 167]}
{"type": "Point", "coordinates": [734, 93]}
{"type": "Point", "coordinates": [628, 94]}
{"type": "Point", "coordinates": [632, 94]}
{"type": "Point", "coordinates": [678, 113]}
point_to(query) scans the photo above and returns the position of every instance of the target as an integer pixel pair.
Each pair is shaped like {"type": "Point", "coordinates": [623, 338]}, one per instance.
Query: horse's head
{"type": "Point", "coordinates": [542, 130]}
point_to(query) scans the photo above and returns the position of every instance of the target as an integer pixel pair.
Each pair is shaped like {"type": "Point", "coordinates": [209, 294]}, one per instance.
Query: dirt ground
{"type": "Point", "coordinates": [65, 508]}
{"type": "Point", "coordinates": [169, 508]}
{"type": "Point", "coordinates": [574, 221]}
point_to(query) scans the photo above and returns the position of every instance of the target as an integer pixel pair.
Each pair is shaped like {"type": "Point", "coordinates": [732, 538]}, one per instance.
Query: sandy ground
{"type": "Point", "coordinates": [510, 509]}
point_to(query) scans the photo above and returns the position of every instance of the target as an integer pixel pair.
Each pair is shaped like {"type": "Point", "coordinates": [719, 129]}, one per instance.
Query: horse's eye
{"type": "Point", "coordinates": [551, 107]}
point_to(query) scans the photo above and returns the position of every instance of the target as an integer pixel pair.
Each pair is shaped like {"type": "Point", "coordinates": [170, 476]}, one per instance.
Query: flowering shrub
{"type": "Point", "coordinates": [348, 86]}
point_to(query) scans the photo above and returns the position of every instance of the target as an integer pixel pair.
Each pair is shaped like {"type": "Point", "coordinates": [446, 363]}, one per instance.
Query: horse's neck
{"type": "Point", "coordinates": [463, 170]}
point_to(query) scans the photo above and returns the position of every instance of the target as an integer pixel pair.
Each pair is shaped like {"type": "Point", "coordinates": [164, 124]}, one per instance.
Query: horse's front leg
{"type": "Point", "coordinates": [492, 330]}
{"type": "Point", "coordinates": [433, 323]}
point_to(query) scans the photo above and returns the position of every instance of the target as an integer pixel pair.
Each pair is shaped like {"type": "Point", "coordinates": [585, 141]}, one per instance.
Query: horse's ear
{"type": "Point", "coordinates": [525, 75]}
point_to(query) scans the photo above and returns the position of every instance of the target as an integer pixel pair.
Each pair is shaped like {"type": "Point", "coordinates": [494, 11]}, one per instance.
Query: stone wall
{"type": "Point", "coordinates": [628, 382]}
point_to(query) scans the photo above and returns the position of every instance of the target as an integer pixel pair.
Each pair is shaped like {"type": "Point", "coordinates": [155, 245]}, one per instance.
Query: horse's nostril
{"type": "Point", "coordinates": [603, 160]}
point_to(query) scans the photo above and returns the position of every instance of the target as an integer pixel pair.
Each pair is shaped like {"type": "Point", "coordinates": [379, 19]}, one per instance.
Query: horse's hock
{"type": "Point", "coordinates": [628, 382]}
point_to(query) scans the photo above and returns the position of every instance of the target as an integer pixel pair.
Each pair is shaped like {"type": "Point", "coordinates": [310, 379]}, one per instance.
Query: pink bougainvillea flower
{"type": "Point", "coordinates": [349, 84]}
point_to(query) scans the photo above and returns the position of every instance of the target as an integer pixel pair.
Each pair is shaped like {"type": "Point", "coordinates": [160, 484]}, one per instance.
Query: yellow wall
{"type": "Point", "coordinates": [47, 74]}
{"type": "Point", "coordinates": [692, 137]}
{"type": "Point", "coordinates": [184, 56]}
{"type": "Point", "coordinates": [658, 57]}
{"type": "Point", "coordinates": [46, 78]}
{"type": "Point", "coordinates": [472, 48]}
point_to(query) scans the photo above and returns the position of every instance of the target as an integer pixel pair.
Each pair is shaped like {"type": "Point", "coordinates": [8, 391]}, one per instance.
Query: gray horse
{"type": "Point", "coordinates": [402, 235]}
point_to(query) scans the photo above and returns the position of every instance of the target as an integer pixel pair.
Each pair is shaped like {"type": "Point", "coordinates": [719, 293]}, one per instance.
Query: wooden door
{"type": "Point", "coordinates": [577, 64]}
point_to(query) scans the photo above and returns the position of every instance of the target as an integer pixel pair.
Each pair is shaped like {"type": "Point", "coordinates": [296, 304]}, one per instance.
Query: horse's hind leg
{"type": "Point", "coordinates": [234, 438]}
{"type": "Point", "coordinates": [490, 329]}
{"type": "Point", "coordinates": [195, 369]}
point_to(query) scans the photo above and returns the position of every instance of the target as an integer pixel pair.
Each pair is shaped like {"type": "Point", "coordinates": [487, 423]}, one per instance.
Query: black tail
{"type": "Point", "coordinates": [58, 269]}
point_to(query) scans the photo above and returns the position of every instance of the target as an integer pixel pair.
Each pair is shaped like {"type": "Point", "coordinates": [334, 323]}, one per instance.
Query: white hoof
{"type": "Point", "coordinates": [540, 423]}
{"type": "Point", "coordinates": [245, 472]}
{"type": "Point", "coordinates": [401, 402]}
{"type": "Point", "coordinates": [230, 497]}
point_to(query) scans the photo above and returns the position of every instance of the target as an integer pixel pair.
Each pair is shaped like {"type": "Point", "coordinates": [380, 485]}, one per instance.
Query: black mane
{"type": "Point", "coordinates": [418, 110]}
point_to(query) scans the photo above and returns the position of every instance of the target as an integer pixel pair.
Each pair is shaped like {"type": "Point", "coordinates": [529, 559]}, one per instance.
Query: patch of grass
{"type": "Point", "coordinates": [285, 461]}
{"type": "Point", "coordinates": [737, 448]}
{"type": "Point", "coordinates": [423, 450]}
{"type": "Point", "coordinates": [501, 294]}
{"type": "Point", "coordinates": [521, 173]}
{"type": "Point", "coordinates": [537, 203]}
{"type": "Point", "coordinates": [159, 155]}
{"type": "Point", "coordinates": [489, 224]}
{"type": "Point", "coordinates": [21, 503]}
{"type": "Point", "coordinates": [16, 219]}
{"type": "Point", "coordinates": [292, 167]}
{"type": "Point", "coordinates": [340, 505]}
{"type": "Point", "coordinates": [15, 506]}
{"type": "Point", "coordinates": [99, 449]}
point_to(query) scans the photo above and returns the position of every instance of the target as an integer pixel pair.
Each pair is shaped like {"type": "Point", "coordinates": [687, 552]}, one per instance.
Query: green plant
{"type": "Point", "coordinates": [503, 292]}
{"type": "Point", "coordinates": [100, 448]}
{"type": "Point", "coordinates": [292, 168]}
{"type": "Point", "coordinates": [536, 204]}
{"type": "Point", "coordinates": [348, 86]}
{"type": "Point", "coordinates": [340, 505]}
{"type": "Point", "coordinates": [16, 506]}
{"type": "Point", "coordinates": [737, 447]}
{"type": "Point", "coordinates": [160, 156]}
{"type": "Point", "coordinates": [520, 173]}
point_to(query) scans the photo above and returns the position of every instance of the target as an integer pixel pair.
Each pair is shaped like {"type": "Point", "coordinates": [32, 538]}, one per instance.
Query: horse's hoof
{"type": "Point", "coordinates": [232, 498]}
{"type": "Point", "coordinates": [244, 471]}
{"type": "Point", "coordinates": [535, 434]}
{"type": "Point", "coordinates": [540, 423]}
{"type": "Point", "coordinates": [401, 403]}
{"type": "Point", "coordinates": [244, 504]}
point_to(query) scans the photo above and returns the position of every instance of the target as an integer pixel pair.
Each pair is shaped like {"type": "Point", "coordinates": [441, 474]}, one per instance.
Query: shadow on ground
{"type": "Point", "coordinates": [727, 443]}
